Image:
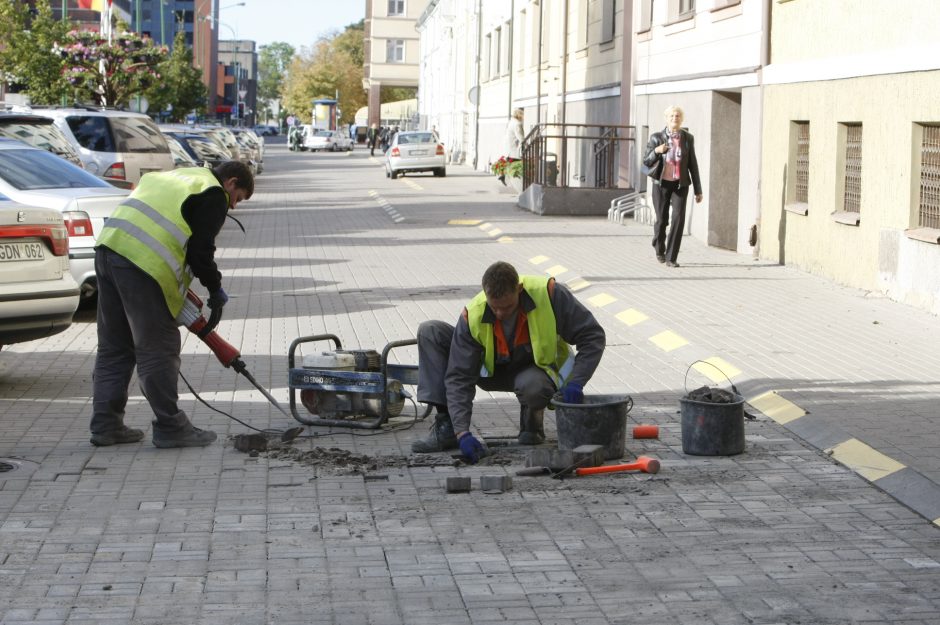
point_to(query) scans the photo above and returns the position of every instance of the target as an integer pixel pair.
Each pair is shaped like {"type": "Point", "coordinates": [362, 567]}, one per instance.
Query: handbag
{"type": "Point", "coordinates": [653, 171]}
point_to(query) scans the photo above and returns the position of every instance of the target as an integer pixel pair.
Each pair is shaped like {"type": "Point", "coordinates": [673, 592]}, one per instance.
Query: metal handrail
{"type": "Point", "coordinates": [597, 152]}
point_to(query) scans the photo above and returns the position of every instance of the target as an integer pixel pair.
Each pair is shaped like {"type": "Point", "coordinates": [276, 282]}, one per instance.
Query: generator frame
{"type": "Point", "coordinates": [359, 382]}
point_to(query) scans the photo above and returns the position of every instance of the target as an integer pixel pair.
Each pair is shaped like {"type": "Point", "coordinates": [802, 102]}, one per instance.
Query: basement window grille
{"type": "Point", "coordinates": [929, 209]}
{"type": "Point", "coordinates": [853, 169]}
{"type": "Point", "coordinates": [802, 162]}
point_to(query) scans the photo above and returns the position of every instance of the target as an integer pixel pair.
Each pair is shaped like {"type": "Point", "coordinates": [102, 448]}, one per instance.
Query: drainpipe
{"type": "Point", "coordinates": [764, 62]}
{"type": "Point", "coordinates": [564, 97]}
{"type": "Point", "coordinates": [538, 75]}
{"type": "Point", "coordinates": [512, 37]}
{"type": "Point", "coordinates": [476, 106]}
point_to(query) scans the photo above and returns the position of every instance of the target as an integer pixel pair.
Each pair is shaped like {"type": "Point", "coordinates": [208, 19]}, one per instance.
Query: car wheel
{"type": "Point", "coordinates": [440, 172]}
{"type": "Point", "coordinates": [393, 174]}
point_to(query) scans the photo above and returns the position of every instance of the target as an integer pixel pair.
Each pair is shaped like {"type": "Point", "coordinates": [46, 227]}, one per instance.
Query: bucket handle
{"type": "Point", "coordinates": [733, 387]}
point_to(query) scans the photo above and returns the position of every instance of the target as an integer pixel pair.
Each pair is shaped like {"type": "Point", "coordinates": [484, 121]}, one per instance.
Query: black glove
{"type": "Point", "coordinates": [217, 301]}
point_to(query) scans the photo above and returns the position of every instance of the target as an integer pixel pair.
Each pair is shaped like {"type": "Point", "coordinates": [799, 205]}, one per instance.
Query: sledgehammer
{"type": "Point", "coordinates": [643, 463]}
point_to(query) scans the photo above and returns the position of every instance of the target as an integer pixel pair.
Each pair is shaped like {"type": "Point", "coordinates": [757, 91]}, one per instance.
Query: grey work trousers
{"type": "Point", "coordinates": [134, 329]}
{"type": "Point", "coordinates": [532, 386]}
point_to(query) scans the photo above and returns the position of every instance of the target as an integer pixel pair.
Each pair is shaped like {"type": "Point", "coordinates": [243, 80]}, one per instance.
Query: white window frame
{"type": "Point", "coordinates": [394, 48]}
{"type": "Point", "coordinates": [396, 4]}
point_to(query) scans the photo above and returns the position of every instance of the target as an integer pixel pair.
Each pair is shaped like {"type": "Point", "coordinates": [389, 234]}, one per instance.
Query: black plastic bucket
{"type": "Point", "coordinates": [712, 429]}
{"type": "Point", "coordinates": [600, 420]}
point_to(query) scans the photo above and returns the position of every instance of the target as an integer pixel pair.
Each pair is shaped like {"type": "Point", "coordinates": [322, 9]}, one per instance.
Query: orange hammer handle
{"type": "Point", "coordinates": [643, 463]}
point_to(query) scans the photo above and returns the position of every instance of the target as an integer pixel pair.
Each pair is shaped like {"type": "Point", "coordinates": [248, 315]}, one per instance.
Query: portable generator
{"type": "Point", "coordinates": [349, 388]}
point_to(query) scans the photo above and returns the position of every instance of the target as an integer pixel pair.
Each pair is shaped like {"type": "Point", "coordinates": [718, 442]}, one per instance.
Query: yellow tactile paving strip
{"type": "Point", "coordinates": [717, 369]}
{"type": "Point", "coordinates": [668, 341]}
{"type": "Point", "coordinates": [601, 299]}
{"type": "Point", "coordinates": [631, 316]}
{"type": "Point", "coordinates": [777, 408]}
{"type": "Point", "coordinates": [864, 460]}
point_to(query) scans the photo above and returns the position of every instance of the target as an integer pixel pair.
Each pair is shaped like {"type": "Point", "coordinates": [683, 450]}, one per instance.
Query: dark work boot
{"type": "Point", "coordinates": [119, 436]}
{"type": "Point", "coordinates": [531, 428]}
{"type": "Point", "coordinates": [188, 436]}
{"type": "Point", "coordinates": [440, 438]}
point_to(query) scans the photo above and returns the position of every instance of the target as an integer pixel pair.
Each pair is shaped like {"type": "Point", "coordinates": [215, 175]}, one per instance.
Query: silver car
{"type": "Point", "coordinates": [412, 151]}
{"type": "Point", "coordinates": [38, 178]}
{"type": "Point", "coordinates": [113, 144]}
{"type": "Point", "coordinates": [38, 295]}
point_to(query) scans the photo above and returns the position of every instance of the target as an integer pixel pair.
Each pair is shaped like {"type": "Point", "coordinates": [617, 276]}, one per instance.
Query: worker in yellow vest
{"type": "Point", "coordinates": [151, 247]}
{"type": "Point", "coordinates": [514, 336]}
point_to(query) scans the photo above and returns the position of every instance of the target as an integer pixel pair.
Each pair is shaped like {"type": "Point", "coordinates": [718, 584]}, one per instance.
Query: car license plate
{"type": "Point", "coordinates": [419, 153]}
{"type": "Point", "coordinates": [21, 251]}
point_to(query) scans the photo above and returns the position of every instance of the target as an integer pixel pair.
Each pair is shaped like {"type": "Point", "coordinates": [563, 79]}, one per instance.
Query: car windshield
{"type": "Point", "coordinates": [30, 170]}
{"type": "Point", "coordinates": [417, 137]}
{"type": "Point", "coordinates": [206, 149]}
{"type": "Point", "coordinates": [138, 134]}
{"type": "Point", "coordinates": [40, 135]}
{"type": "Point", "coordinates": [324, 133]}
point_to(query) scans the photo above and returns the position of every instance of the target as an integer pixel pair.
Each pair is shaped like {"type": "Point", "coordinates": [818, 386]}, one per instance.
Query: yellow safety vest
{"type": "Point", "coordinates": [550, 352]}
{"type": "Point", "coordinates": [149, 230]}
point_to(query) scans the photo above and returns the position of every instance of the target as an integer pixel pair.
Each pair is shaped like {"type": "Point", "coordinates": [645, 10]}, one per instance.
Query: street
{"type": "Point", "coordinates": [829, 516]}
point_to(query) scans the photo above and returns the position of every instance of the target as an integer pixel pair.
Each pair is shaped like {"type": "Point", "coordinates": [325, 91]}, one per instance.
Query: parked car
{"type": "Point", "coordinates": [253, 144]}
{"type": "Point", "coordinates": [333, 140]}
{"type": "Point", "coordinates": [40, 132]}
{"type": "Point", "coordinates": [38, 178]}
{"type": "Point", "coordinates": [181, 157]}
{"type": "Point", "coordinates": [264, 130]}
{"type": "Point", "coordinates": [38, 294]}
{"type": "Point", "coordinates": [113, 144]}
{"type": "Point", "coordinates": [412, 151]}
{"type": "Point", "coordinates": [199, 146]}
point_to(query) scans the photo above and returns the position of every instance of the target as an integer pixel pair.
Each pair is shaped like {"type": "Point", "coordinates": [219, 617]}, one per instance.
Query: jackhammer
{"type": "Point", "coordinates": [191, 316]}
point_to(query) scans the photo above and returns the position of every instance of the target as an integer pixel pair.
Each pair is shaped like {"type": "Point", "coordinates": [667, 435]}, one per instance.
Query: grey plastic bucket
{"type": "Point", "coordinates": [712, 429]}
{"type": "Point", "coordinates": [600, 420]}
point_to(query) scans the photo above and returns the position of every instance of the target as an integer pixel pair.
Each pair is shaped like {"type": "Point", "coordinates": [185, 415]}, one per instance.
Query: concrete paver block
{"type": "Point", "coordinates": [458, 484]}
{"type": "Point", "coordinates": [495, 483]}
{"type": "Point", "coordinates": [560, 459]}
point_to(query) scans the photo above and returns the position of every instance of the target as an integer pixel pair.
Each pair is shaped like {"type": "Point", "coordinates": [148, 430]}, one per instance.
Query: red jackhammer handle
{"type": "Point", "coordinates": [643, 463]}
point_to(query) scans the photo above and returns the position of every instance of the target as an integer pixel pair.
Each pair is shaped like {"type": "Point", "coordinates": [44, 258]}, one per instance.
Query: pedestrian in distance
{"type": "Point", "coordinates": [513, 336]}
{"type": "Point", "coordinates": [155, 242]}
{"type": "Point", "coordinates": [670, 155]}
{"type": "Point", "coordinates": [373, 137]}
{"type": "Point", "coordinates": [514, 138]}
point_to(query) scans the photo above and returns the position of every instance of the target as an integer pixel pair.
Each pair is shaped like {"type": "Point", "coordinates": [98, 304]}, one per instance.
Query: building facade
{"type": "Point", "coordinates": [706, 56]}
{"type": "Point", "coordinates": [237, 87]}
{"type": "Point", "coordinates": [390, 48]}
{"type": "Point", "coordinates": [851, 137]}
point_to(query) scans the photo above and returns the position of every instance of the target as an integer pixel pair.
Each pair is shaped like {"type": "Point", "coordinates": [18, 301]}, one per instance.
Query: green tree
{"type": "Point", "coordinates": [27, 61]}
{"type": "Point", "coordinates": [109, 73]}
{"type": "Point", "coordinates": [274, 61]}
{"type": "Point", "coordinates": [333, 65]}
{"type": "Point", "coordinates": [180, 85]}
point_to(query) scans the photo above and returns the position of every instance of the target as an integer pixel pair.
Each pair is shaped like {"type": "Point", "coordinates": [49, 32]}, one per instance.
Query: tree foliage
{"type": "Point", "coordinates": [274, 61]}
{"type": "Point", "coordinates": [333, 65]}
{"type": "Point", "coordinates": [27, 61]}
{"type": "Point", "coordinates": [180, 83]}
{"type": "Point", "coordinates": [109, 73]}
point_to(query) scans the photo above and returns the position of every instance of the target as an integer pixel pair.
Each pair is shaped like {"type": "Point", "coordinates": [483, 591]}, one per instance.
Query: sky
{"type": "Point", "coordinates": [297, 22]}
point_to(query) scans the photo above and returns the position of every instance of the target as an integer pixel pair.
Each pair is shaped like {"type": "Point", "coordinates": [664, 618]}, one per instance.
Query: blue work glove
{"type": "Point", "coordinates": [471, 448]}
{"type": "Point", "coordinates": [217, 300]}
{"type": "Point", "coordinates": [572, 393]}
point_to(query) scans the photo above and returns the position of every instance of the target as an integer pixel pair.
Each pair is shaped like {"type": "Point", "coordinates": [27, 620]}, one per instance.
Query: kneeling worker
{"type": "Point", "coordinates": [148, 252]}
{"type": "Point", "coordinates": [513, 336]}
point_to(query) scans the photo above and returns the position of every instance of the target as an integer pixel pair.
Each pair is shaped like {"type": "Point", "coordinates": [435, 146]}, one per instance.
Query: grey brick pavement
{"type": "Point", "coordinates": [780, 534]}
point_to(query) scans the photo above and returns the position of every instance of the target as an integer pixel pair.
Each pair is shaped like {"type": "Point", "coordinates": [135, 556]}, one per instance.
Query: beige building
{"type": "Point", "coordinates": [851, 137]}
{"type": "Point", "coordinates": [390, 47]}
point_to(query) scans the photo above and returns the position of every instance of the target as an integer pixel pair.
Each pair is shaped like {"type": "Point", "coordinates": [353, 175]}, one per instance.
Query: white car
{"type": "Point", "coordinates": [38, 178]}
{"type": "Point", "coordinates": [332, 140]}
{"type": "Point", "coordinates": [38, 294]}
{"type": "Point", "coordinates": [412, 151]}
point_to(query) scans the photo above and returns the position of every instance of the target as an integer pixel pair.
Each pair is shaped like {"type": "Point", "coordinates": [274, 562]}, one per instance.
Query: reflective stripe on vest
{"type": "Point", "coordinates": [149, 230]}
{"type": "Point", "coordinates": [550, 352]}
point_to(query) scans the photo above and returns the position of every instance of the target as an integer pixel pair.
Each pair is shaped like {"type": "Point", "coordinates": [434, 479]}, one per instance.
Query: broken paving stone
{"type": "Point", "coordinates": [494, 484]}
{"type": "Point", "coordinates": [458, 485]}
